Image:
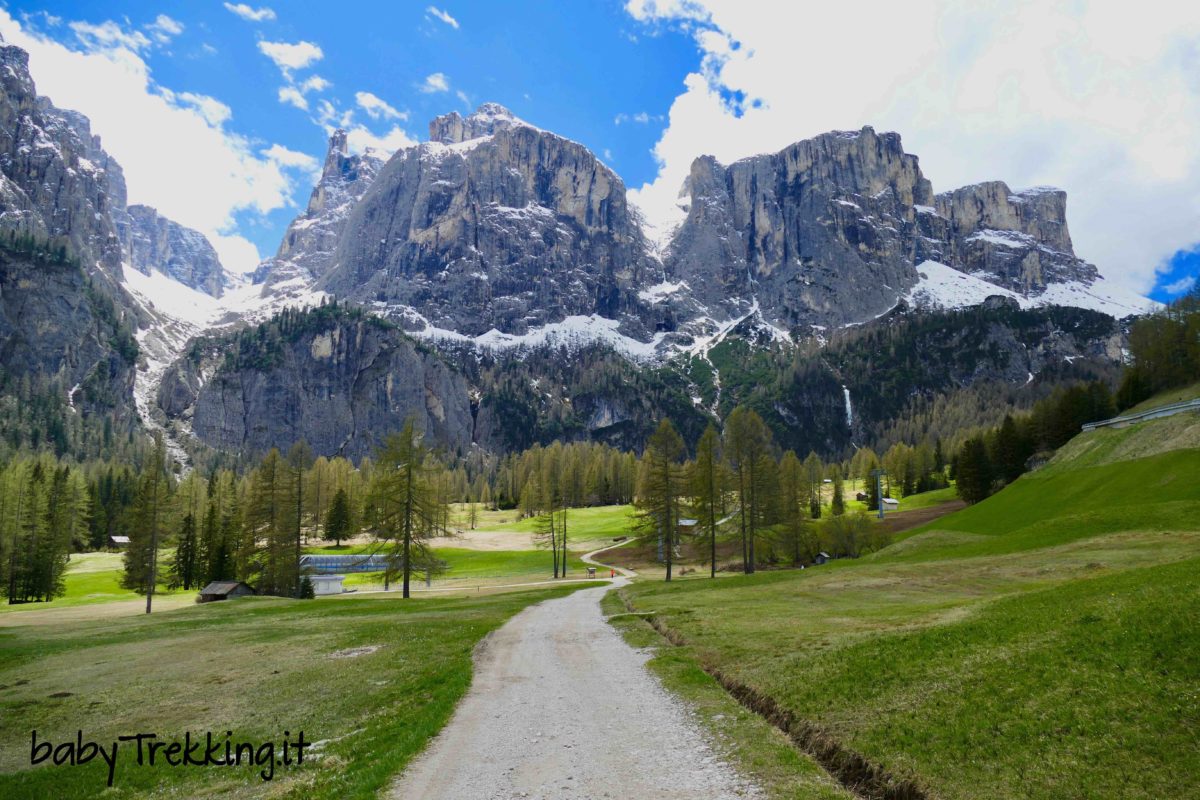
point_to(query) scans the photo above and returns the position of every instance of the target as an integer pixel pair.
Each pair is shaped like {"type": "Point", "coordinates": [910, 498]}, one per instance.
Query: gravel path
{"type": "Point", "coordinates": [561, 707]}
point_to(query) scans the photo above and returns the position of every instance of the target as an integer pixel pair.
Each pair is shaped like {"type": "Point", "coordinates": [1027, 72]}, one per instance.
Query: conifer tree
{"type": "Point", "coordinates": [663, 489]}
{"type": "Point", "coordinates": [974, 471]}
{"type": "Point", "coordinates": [149, 512]}
{"type": "Point", "coordinates": [402, 500]}
{"type": "Point", "coordinates": [337, 523]}
{"type": "Point", "coordinates": [707, 488]}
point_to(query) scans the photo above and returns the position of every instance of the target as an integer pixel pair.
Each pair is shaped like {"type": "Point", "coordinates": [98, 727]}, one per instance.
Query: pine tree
{"type": "Point", "coordinates": [797, 533]}
{"type": "Point", "coordinates": [974, 471]}
{"type": "Point", "coordinates": [662, 490]}
{"type": "Point", "coordinates": [183, 573]}
{"type": "Point", "coordinates": [337, 523]}
{"type": "Point", "coordinates": [837, 506]}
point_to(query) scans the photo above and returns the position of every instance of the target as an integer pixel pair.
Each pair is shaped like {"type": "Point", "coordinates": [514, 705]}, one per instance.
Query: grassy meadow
{"type": "Point", "coordinates": [256, 666]}
{"type": "Point", "coordinates": [1043, 643]}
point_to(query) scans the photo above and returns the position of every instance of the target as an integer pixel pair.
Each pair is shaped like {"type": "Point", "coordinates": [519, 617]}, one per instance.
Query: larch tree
{"type": "Point", "coordinates": [402, 501]}
{"type": "Point", "coordinates": [708, 487]}
{"type": "Point", "coordinates": [141, 554]}
{"type": "Point", "coordinates": [299, 458]}
{"type": "Point", "coordinates": [748, 449]}
{"type": "Point", "coordinates": [663, 489]}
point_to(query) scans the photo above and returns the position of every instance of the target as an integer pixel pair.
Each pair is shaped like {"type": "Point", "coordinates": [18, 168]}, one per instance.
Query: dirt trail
{"type": "Point", "coordinates": [562, 707]}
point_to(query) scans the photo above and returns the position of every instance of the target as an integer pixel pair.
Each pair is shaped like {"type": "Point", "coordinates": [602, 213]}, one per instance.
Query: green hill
{"type": "Point", "coordinates": [1043, 643]}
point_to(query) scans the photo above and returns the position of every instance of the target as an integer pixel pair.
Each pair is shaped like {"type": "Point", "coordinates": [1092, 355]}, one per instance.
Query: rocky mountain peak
{"type": "Point", "coordinates": [306, 250]}
{"type": "Point", "coordinates": [453, 128]}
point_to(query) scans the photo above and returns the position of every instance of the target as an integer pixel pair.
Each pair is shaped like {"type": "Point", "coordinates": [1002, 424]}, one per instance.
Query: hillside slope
{"type": "Point", "coordinates": [1039, 644]}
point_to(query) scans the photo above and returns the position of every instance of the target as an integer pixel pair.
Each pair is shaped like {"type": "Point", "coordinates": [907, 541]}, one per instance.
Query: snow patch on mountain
{"type": "Point", "coordinates": [944, 287]}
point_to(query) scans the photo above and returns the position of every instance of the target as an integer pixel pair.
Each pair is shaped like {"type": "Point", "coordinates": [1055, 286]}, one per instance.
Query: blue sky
{"type": "Point", "coordinates": [199, 100]}
{"type": "Point", "coordinates": [574, 68]}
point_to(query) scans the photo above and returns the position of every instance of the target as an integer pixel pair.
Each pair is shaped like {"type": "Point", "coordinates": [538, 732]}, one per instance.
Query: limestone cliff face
{"type": "Point", "coordinates": [56, 184]}
{"type": "Point", "coordinates": [816, 232]}
{"type": "Point", "coordinates": [829, 230]}
{"type": "Point", "coordinates": [493, 224]}
{"type": "Point", "coordinates": [340, 383]}
{"type": "Point", "coordinates": [306, 251]}
{"type": "Point", "coordinates": [151, 241]}
{"type": "Point", "coordinates": [1019, 240]}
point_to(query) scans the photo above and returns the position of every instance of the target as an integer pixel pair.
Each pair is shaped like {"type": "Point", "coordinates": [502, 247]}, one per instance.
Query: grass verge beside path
{"type": "Point", "coordinates": [752, 746]}
{"type": "Point", "coordinates": [1041, 644]}
{"type": "Point", "coordinates": [256, 666]}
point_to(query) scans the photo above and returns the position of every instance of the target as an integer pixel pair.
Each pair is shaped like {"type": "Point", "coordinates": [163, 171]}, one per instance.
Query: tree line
{"type": "Point", "coordinates": [739, 487]}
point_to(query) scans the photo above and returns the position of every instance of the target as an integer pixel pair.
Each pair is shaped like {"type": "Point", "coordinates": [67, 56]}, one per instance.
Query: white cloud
{"type": "Point", "coordinates": [437, 82]}
{"type": "Point", "coordinates": [641, 118]}
{"type": "Point", "coordinates": [251, 14]}
{"type": "Point", "coordinates": [376, 107]}
{"type": "Point", "coordinates": [289, 56]}
{"type": "Point", "coordinates": [1180, 286]}
{"type": "Point", "coordinates": [359, 138]}
{"type": "Point", "coordinates": [286, 157]}
{"type": "Point", "coordinates": [461, 95]}
{"type": "Point", "coordinates": [1083, 95]}
{"type": "Point", "coordinates": [108, 36]}
{"type": "Point", "coordinates": [163, 29]}
{"type": "Point", "coordinates": [330, 117]}
{"type": "Point", "coordinates": [175, 149]}
{"type": "Point", "coordinates": [314, 83]}
{"type": "Point", "coordinates": [444, 16]}
{"type": "Point", "coordinates": [215, 112]}
{"type": "Point", "coordinates": [290, 95]}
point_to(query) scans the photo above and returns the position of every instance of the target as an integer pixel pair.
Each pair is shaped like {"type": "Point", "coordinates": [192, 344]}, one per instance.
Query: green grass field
{"type": "Point", "coordinates": [583, 524]}
{"type": "Point", "coordinates": [256, 666]}
{"type": "Point", "coordinates": [90, 578]}
{"type": "Point", "coordinates": [484, 566]}
{"type": "Point", "coordinates": [1042, 644]}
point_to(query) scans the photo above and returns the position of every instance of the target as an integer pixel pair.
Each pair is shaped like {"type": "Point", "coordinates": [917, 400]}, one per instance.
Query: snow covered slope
{"type": "Point", "coordinates": [944, 287]}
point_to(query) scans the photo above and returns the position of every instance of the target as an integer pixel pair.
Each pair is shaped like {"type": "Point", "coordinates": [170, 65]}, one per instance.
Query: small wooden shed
{"type": "Point", "coordinates": [118, 541]}
{"type": "Point", "coordinates": [225, 590]}
{"type": "Point", "coordinates": [822, 557]}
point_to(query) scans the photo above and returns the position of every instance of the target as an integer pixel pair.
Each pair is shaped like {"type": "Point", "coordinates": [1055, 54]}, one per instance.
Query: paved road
{"type": "Point", "coordinates": [562, 707]}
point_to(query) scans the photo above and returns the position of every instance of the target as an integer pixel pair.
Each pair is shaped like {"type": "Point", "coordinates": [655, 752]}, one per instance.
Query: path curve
{"type": "Point", "coordinates": [561, 707]}
{"type": "Point", "coordinates": [590, 558]}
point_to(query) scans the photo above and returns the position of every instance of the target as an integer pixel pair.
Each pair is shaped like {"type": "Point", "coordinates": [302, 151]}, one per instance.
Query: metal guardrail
{"type": "Point", "coordinates": [1154, 413]}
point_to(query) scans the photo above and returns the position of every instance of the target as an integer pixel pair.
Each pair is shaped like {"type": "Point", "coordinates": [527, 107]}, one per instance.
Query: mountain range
{"type": "Point", "coordinates": [496, 282]}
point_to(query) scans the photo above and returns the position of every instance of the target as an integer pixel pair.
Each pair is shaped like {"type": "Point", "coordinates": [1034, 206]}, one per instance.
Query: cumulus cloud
{"type": "Point", "coordinates": [444, 16]}
{"type": "Point", "coordinates": [291, 96]}
{"type": "Point", "coordinates": [1084, 96]}
{"type": "Point", "coordinates": [437, 82]}
{"type": "Point", "coordinates": [286, 157]}
{"type": "Point", "coordinates": [359, 138]}
{"type": "Point", "coordinates": [288, 56]}
{"type": "Point", "coordinates": [163, 29]}
{"type": "Point", "coordinates": [314, 83]}
{"type": "Point", "coordinates": [376, 107]}
{"type": "Point", "coordinates": [251, 14]}
{"type": "Point", "coordinates": [176, 150]}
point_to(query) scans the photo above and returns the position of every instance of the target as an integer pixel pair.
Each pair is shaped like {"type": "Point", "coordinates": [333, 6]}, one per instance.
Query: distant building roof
{"type": "Point", "coordinates": [119, 539]}
{"type": "Point", "coordinates": [223, 587]}
{"type": "Point", "coordinates": [823, 553]}
{"type": "Point", "coordinates": [891, 501]}
{"type": "Point", "coordinates": [688, 522]}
